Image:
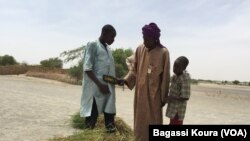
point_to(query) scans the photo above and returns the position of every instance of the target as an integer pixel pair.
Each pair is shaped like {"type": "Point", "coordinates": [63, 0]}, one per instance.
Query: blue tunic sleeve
{"type": "Point", "coordinates": [89, 56]}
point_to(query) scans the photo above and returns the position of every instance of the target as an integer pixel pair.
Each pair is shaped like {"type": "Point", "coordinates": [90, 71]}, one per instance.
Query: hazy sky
{"type": "Point", "coordinates": [213, 34]}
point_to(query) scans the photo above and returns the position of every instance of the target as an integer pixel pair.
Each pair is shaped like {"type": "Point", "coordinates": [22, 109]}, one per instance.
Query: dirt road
{"type": "Point", "coordinates": [33, 109]}
{"type": "Point", "coordinates": [36, 109]}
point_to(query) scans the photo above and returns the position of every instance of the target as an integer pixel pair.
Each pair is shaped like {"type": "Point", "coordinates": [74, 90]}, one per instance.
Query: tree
{"type": "Point", "coordinates": [7, 60]}
{"type": "Point", "coordinates": [71, 55]}
{"type": "Point", "coordinates": [128, 52]}
{"type": "Point", "coordinates": [52, 63]}
{"type": "Point", "coordinates": [120, 56]}
{"type": "Point", "coordinates": [224, 82]}
{"type": "Point", "coordinates": [119, 70]}
{"type": "Point", "coordinates": [248, 83]}
{"type": "Point", "coordinates": [77, 71]}
{"type": "Point", "coordinates": [236, 82]}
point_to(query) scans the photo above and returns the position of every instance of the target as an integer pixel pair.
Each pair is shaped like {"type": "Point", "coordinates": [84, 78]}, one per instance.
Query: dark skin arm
{"type": "Point", "coordinates": [177, 98]}
{"type": "Point", "coordinates": [121, 82]}
{"type": "Point", "coordinates": [102, 87]}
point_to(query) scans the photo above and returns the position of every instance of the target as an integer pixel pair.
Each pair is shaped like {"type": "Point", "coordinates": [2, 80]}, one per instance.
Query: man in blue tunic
{"type": "Point", "coordinates": [97, 95]}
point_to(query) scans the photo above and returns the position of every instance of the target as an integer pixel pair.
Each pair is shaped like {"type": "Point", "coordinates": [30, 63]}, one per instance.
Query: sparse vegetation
{"type": "Point", "coordinates": [52, 63]}
{"type": "Point", "coordinates": [77, 71]}
{"type": "Point", "coordinates": [119, 56]}
{"type": "Point", "coordinates": [194, 82]}
{"type": "Point", "coordinates": [52, 67]}
{"type": "Point", "coordinates": [71, 55]}
{"type": "Point", "coordinates": [13, 69]}
{"type": "Point", "coordinates": [7, 60]}
{"type": "Point", "coordinates": [224, 82]}
{"type": "Point", "coordinates": [236, 82]}
{"type": "Point", "coordinates": [124, 132]}
{"type": "Point", "coordinates": [51, 73]}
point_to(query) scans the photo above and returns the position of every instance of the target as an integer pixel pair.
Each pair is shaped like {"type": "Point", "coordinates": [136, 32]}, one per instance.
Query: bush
{"type": "Point", "coordinates": [120, 56]}
{"type": "Point", "coordinates": [120, 70]}
{"type": "Point", "coordinates": [52, 63]}
{"type": "Point", "coordinates": [7, 60]}
{"type": "Point", "coordinates": [236, 82]}
{"type": "Point", "coordinates": [77, 71]}
{"type": "Point", "coordinates": [194, 81]}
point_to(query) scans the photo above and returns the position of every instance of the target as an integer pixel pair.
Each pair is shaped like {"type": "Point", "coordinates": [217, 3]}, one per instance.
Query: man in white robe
{"type": "Point", "coordinates": [98, 96]}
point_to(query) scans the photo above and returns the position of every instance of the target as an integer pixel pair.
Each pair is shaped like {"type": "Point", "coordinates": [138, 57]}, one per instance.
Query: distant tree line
{"type": "Point", "coordinates": [235, 82]}
{"type": "Point", "coordinates": [119, 56]}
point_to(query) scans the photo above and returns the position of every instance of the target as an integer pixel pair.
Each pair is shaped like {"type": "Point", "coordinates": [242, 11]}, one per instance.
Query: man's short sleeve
{"type": "Point", "coordinates": [89, 56]}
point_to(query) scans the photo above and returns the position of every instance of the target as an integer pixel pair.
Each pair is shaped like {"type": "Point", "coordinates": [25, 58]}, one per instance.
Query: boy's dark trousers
{"type": "Point", "coordinates": [91, 120]}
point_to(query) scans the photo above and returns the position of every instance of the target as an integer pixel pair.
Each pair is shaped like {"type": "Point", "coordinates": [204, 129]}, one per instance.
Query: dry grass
{"type": "Point", "coordinates": [54, 76]}
{"type": "Point", "coordinates": [41, 72]}
{"type": "Point", "coordinates": [124, 132]}
{"type": "Point", "coordinates": [47, 70]}
{"type": "Point", "coordinates": [51, 73]}
{"type": "Point", "coordinates": [13, 69]}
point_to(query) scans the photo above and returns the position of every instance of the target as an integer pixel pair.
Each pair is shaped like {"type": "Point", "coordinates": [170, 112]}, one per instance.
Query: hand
{"type": "Point", "coordinates": [104, 88]}
{"type": "Point", "coordinates": [120, 82]}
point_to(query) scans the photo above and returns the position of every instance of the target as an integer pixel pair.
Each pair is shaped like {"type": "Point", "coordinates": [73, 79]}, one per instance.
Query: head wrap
{"type": "Point", "coordinates": [152, 30]}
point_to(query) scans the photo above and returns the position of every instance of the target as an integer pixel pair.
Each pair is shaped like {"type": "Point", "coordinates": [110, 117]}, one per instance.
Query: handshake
{"type": "Point", "coordinates": [113, 80]}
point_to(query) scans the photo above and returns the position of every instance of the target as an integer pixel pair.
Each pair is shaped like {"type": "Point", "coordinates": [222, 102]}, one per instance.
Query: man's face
{"type": "Point", "coordinates": [149, 42]}
{"type": "Point", "coordinates": [110, 37]}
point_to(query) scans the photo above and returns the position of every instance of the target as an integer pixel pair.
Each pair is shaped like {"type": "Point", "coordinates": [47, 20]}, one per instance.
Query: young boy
{"type": "Point", "coordinates": [179, 92]}
{"type": "Point", "coordinates": [98, 96]}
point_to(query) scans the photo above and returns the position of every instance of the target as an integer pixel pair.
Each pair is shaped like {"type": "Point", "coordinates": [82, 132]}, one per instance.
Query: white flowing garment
{"type": "Point", "coordinates": [99, 60]}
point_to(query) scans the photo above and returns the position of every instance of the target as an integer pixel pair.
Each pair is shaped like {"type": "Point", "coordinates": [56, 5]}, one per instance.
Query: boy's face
{"type": "Point", "coordinates": [178, 67]}
{"type": "Point", "coordinates": [110, 37]}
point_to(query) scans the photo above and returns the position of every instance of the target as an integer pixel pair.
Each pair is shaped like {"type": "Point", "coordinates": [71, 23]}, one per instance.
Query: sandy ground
{"type": "Point", "coordinates": [33, 109]}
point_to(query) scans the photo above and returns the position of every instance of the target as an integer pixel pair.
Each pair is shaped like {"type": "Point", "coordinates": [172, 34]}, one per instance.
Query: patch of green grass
{"type": "Point", "coordinates": [123, 133]}
{"type": "Point", "coordinates": [77, 121]}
